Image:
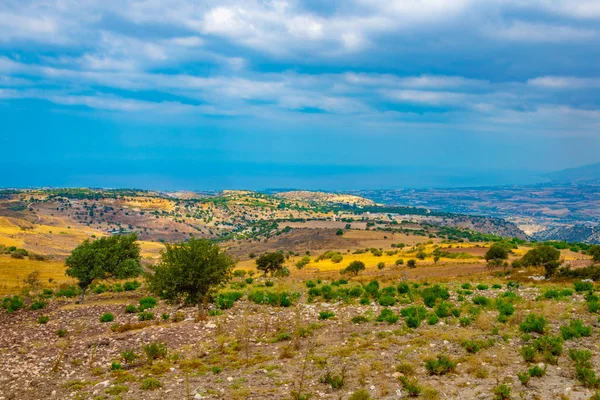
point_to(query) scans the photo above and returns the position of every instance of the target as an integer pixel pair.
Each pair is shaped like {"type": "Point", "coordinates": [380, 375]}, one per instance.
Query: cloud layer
{"type": "Point", "coordinates": [483, 66]}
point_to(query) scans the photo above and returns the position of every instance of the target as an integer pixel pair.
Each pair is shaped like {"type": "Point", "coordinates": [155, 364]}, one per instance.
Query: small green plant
{"type": "Point", "coordinates": [441, 365]}
{"type": "Point", "coordinates": [323, 315]}
{"type": "Point", "coordinates": [411, 386]}
{"type": "Point", "coordinates": [131, 309]}
{"type": "Point", "coordinates": [432, 319]}
{"type": "Point", "coordinates": [107, 317]}
{"type": "Point", "coordinates": [129, 356]}
{"type": "Point", "coordinates": [150, 384]}
{"type": "Point", "coordinates": [359, 319]}
{"type": "Point", "coordinates": [116, 366]}
{"type": "Point", "coordinates": [37, 305]}
{"type": "Point", "coordinates": [155, 350]}
{"type": "Point", "coordinates": [524, 377]}
{"type": "Point", "coordinates": [501, 392]}
{"type": "Point", "coordinates": [43, 319]}
{"type": "Point", "coordinates": [335, 381]}
{"type": "Point", "coordinates": [146, 316]}
{"type": "Point", "coordinates": [147, 302]}
{"type": "Point", "coordinates": [533, 323]}
{"type": "Point", "coordinates": [575, 330]}
{"type": "Point", "coordinates": [536, 371]}
{"type": "Point", "coordinates": [360, 394]}
{"type": "Point", "coordinates": [61, 333]}
{"type": "Point", "coordinates": [481, 301]}
{"type": "Point", "coordinates": [388, 316]}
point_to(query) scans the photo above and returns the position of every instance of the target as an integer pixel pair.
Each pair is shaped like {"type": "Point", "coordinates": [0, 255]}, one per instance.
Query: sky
{"type": "Point", "coordinates": [254, 94]}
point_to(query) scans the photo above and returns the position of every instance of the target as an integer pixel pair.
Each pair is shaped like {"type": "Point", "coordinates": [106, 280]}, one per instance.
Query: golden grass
{"type": "Point", "coordinates": [13, 271]}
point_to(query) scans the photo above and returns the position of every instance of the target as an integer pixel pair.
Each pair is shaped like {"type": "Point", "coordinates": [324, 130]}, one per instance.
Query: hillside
{"type": "Point", "coordinates": [301, 195]}
{"type": "Point", "coordinates": [571, 234]}
{"type": "Point", "coordinates": [586, 173]}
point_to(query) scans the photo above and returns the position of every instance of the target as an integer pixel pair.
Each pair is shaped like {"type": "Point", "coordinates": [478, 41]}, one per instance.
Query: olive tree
{"type": "Point", "coordinates": [113, 257]}
{"type": "Point", "coordinates": [270, 262]}
{"type": "Point", "coordinates": [189, 271]}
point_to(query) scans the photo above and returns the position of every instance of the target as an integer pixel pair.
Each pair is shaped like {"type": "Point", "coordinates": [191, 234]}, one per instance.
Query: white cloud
{"type": "Point", "coordinates": [564, 82]}
{"type": "Point", "coordinates": [537, 32]}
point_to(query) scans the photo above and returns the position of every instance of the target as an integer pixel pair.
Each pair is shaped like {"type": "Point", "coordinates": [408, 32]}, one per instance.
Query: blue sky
{"type": "Point", "coordinates": [309, 94]}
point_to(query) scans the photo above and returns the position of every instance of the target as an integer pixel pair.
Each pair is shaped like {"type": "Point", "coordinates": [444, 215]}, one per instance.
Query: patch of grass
{"type": "Point", "coordinates": [116, 390]}
{"type": "Point", "coordinates": [324, 315]}
{"type": "Point", "coordinates": [43, 319]}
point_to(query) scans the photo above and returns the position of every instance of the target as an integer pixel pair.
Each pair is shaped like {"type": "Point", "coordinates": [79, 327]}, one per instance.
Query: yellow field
{"type": "Point", "coordinates": [13, 271]}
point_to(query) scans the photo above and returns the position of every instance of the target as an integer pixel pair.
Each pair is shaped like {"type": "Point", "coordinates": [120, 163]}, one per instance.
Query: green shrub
{"type": "Point", "coordinates": [528, 353]}
{"type": "Point", "coordinates": [441, 365]}
{"type": "Point", "coordinates": [466, 286]}
{"type": "Point", "coordinates": [474, 346]}
{"type": "Point", "coordinates": [550, 347]}
{"type": "Point", "coordinates": [43, 319]}
{"type": "Point", "coordinates": [131, 285]}
{"type": "Point", "coordinates": [481, 286]}
{"type": "Point", "coordinates": [443, 309]}
{"type": "Point", "coordinates": [37, 305]}
{"type": "Point", "coordinates": [155, 350]}
{"type": "Point", "coordinates": [533, 323]}
{"type": "Point", "coordinates": [355, 292]}
{"type": "Point", "coordinates": [359, 319]}
{"type": "Point", "coordinates": [147, 302]}
{"type": "Point", "coordinates": [269, 283]}
{"type": "Point", "coordinates": [388, 316]}
{"type": "Point", "coordinates": [151, 384]}
{"type": "Point", "coordinates": [536, 372]}
{"type": "Point", "coordinates": [399, 262]}
{"type": "Point", "coordinates": [496, 286]}
{"type": "Point", "coordinates": [146, 316]}
{"type": "Point", "coordinates": [583, 286]}
{"type": "Point", "coordinates": [575, 330]}
{"type": "Point", "coordinates": [360, 394]}
{"type": "Point", "coordinates": [387, 301]}
{"type": "Point", "coordinates": [403, 288]}
{"type": "Point", "coordinates": [12, 304]}
{"type": "Point", "coordinates": [131, 309]}
{"type": "Point", "coordinates": [61, 333]}
{"type": "Point", "coordinates": [501, 392]}
{"type": "Point", "coordinates": [335, 381]}
{"type": "Point", "coordinates": [431, 294]}
{"type": "Point", "coordinates": [432, 319]}
{"type": "Point", "coordinates": [524, 377]}
{"type": "Point", "coordinates": [116, 366]}
{"type": "Point", "coordinates": [129, 356]}
{"type": "Point", "coordinates": [225, 300]}
{"type": "Point", "coordinates": [481, 301]}
{"type": "Point", "coordinates": [411, 386]}
{"type": "Point", "coordinates": [107, 317]}
{"type": "Point", "coordinates": [68, 291]}
{"type": "Point", "coordinates": [323, 315]}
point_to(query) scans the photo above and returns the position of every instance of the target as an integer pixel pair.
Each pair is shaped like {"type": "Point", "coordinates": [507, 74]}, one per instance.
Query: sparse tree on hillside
{"type": "Point", "coordinates": [594, 251]}
{"type": "Point", "coordinates": [189, 271]}
{"type": "Point", "coordinates": [496, 252]}
{"type": "Point", "coordinates": [412, 263]}
{"type": "Point", "coordinates": [270, 262]}
{"type": "Point", "coordinates": [354, 267]}
{"type": "Point", "coordinates": [110, 257]}
{"type": "Point", "coordinates": [542, 256]}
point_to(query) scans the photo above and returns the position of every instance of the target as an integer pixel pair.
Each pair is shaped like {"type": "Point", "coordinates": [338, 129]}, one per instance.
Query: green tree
{"type": "Point", "coordinates": [594, 251]}
{"type": "Point", "coordinates": [270, 262]}
{"type": "Point", "coordinates": [339, 232]}
{"type": "Point", "coordinates": [355, 267]}
{"type": "Point", "coordinates": [542, 256]}
{"type": "Point", "coordinates": [496, 252]}
{"type": "Point", "coordinates": [190, 271]}
{"type": "Point", "coordinates": [113, 257]}
{"type": "Point", "coordinates": [412, 263]}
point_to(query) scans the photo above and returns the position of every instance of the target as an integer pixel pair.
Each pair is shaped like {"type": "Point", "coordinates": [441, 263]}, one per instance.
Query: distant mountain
{"type": "Point", "coordinates": [587, 173]}
{"type": "Point", "coordinates": [576, 233]}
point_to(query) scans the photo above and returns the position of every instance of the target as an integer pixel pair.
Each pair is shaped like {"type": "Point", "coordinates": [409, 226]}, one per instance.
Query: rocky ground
{"type": "Point", "coordinates": [254, 351]}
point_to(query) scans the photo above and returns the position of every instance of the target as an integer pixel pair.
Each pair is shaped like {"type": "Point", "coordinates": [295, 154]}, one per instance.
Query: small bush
{"type": "Point", "coordinates": [61, 333]}
{"type": "Point", "coordinates": [249, 281]}
{"type": "Point", "coordinates": [155, 350]}
{"type": "Point", "coordinates": [116, 366]}
{"type": "Point", "coordinates": [583, 286]}
{"type": "Point", "coordinates": [12, 304]}
{"type": "Point", "coordinates": [107, 317]}
{"type": "Point", "coordinates": [360, 394]}
{"type": "Point", "coordinates": [131, 309]}
{"type": "Point", "coordinates": [403, 288]}
{"type": "Point", "coordinates": [501, 392]}
{"type": "Point", "coordinates": [43, 319]}
{"type": "Point", "coordinates": [481, 301]}
{"type": "Point", "coordinates": [269, 283]}
{"type": "Point", "coordinates": [146, 316]}
{"type": "Point", "coordinates": [323, 315]}
{"type": "Point", "coordinates": [533, 323]}
{"type": "Point", "coordinates": [37, 305]}
{"type": "Point", "coordinates": [151, 384]}
{"type": "Point", "coordinates": [411, 386]}
{"type": "Point", "coordinates": [481, 286]}
{"type": "Point", "coordinates": [129, 356]}
{"type": "Point", "coordinates": [387, 301]}
{"type": "Point", "coordinates": [359, 319]}
{"type": "Point", "coordinates": [432, 319]}
{"type": "Point", "coordinates": [131, 285]}
{"type": "Point", "coordinates": [575, 330]}
{"type": "Point", "coordinates": [147, 302]}
{"type": "Point", "coordinates": [388, 316]}
{"type": "Point", "coordinates": [441, 365]}
{"type": "Point", "coordinates": [536, 372]}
